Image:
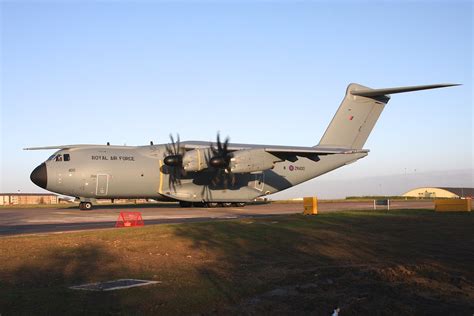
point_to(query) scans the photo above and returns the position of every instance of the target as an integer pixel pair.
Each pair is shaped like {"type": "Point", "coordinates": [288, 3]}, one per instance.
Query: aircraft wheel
{"type": "Point", "coordinates": [226, 204]}
{"type": "Point", "coordinates": [239, 204]}
{"type": "Point", "coordinates": [85, 206]}
{"type": "Point", "coordinates": [212, 204]}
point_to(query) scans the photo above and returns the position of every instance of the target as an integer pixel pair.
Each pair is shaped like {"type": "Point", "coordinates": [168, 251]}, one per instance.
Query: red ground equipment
{"type": "Point", "coordinates": [129, 219]}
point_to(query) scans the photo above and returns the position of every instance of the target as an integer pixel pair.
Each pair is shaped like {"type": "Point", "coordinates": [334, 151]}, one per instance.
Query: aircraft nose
{"type": "Point", "coordinates": [39, 176]}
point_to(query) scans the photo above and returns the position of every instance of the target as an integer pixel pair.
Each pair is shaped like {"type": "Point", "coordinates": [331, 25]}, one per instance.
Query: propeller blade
{"type": "Point", "coordinates": [224, 149]}
{"type": "Point", "coordinates": [219, 145]}
{"type": "Point", "coordinates": [178, 146]}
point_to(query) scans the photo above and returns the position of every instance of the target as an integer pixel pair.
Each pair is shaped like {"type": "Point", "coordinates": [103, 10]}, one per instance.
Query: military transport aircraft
{"type": "Point", "coordinates": [213, 174]}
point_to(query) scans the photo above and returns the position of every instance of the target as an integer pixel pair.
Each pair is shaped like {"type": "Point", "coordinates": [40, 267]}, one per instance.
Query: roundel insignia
{"type": "Point", "coordinates": [291, 167]}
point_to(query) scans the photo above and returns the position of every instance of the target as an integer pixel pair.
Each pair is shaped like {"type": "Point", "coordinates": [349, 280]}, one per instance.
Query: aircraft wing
{"type": "Point", "coordinates": [70, 146]}
{"type": "Point", "coordinates": [289, 150]}
{"type": "Point", "coordinates": [315, 150]}
{"type": "Point", "coordinates": [56, 147]}
{"type": "Point", "coordinates": [277, 150]}
{"type": "Point", "coordinates": [312, 153]}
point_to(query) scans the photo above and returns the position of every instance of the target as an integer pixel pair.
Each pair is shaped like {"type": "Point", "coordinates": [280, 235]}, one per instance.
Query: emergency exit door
{"type": "Point", "coordinates": [102, 184]}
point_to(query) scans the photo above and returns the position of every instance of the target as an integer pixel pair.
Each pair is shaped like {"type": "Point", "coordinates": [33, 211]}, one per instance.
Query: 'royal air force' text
{"type": "Point", "coordinates": [118, 158]}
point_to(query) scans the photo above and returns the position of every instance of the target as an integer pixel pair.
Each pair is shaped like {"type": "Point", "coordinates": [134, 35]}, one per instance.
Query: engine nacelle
{"type": "Point", "coordinates": [252, 160]}
{"type": "Point", "coordinates": [195, 160]}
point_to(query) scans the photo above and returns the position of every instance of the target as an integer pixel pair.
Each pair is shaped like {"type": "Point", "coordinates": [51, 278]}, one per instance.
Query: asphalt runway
{"type": "Point", "coordinates": [16, 221]}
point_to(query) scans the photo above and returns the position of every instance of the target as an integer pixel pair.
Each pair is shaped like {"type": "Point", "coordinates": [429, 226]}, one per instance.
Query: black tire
{"type": "Point", "coordinates": [226, 204]}
{"type": "Point", "coordinates": [212, 204]}
{"type": "Point", "coordinates": [87, 206]}
{"type": "Point", "coordinates": [238, 204]}
{"type": "Point", "coordinates": [185, 204]}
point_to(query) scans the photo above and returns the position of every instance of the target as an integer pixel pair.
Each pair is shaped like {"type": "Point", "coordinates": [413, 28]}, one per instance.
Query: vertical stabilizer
{"type": "Point", "coordinates": [358, 113]}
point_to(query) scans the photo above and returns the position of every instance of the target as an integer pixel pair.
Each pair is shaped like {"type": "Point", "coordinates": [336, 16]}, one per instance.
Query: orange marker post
{"type": "Point", "coordinates": [310, 205]}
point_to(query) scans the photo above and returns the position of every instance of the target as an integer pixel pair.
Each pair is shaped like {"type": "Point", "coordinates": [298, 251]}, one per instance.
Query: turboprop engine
{"type": "Point", "coordinates": [195, 160]}
{"type": "Point", "coordinates": [252, 160]}
{"type": "Point", "coordinates": [242, 161]}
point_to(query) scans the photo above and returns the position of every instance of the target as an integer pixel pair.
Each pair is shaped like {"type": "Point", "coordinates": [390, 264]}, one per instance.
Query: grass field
{"type": "Point", "coordinates": [402, 262]}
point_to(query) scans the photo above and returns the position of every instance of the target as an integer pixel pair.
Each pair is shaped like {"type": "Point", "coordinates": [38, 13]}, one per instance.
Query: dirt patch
{"type": "Point", "coordinates": [385, 290]}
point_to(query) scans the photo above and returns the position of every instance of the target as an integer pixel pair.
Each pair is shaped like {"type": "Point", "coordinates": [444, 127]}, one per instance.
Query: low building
{"type": "Point", "coordinates": [28, 198]}
{"type": "Point", "coordinates": [440, 192]}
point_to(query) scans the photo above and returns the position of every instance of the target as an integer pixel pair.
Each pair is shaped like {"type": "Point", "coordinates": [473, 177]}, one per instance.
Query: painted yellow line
{"type": "Point", "coordinates": [160, 188]}
{"type": "Point", "coordinates": [199, 159]}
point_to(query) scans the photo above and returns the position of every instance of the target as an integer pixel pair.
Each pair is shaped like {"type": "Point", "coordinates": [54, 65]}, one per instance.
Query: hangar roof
{"type": "Point", "coordinates": [462, 192]}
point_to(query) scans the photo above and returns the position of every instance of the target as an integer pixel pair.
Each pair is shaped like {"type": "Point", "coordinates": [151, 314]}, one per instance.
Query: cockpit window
{"type": "Point", "coordinates": [60, 157]}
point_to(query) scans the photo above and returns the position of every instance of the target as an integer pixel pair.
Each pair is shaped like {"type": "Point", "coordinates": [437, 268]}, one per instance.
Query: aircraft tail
{"type": "Point", "coordinates": [358, 113]}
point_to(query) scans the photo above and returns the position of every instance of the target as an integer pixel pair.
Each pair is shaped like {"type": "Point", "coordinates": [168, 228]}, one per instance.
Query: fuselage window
{"type": "Point", "coordinates": [59, 157]}
{"type": "Point", "coordinates": [67, 157]}
{"type": "Point", "coordinates": [51, 157]}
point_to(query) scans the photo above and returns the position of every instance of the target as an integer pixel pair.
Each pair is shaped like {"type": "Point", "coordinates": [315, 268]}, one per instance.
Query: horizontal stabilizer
{"type": "Point", "coordinates": [380, 92]}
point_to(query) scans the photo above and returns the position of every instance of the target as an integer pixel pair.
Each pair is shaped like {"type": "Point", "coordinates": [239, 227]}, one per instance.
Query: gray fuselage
{"type": "Point", "coordinates": [105, 172]}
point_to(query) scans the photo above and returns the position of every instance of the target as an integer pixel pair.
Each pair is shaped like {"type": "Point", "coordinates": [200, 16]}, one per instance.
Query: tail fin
{"type": "Point", "coordinates": [358, 113]}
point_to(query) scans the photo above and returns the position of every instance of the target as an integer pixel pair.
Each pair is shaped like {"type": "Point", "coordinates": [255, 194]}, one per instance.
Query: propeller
{"type": "Point", "coordinates": [174, 162]}
{"type": "Point", "coordinates": [174, 153]}
{"type": "Point", "coordinates": [220, 161]}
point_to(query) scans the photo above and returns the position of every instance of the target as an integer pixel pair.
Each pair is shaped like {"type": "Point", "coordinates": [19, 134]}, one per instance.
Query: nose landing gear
{"type": "Point", "coordinates": [85, 206]}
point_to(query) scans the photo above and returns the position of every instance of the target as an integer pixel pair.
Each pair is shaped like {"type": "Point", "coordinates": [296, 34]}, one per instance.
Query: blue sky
{"type": "Point", "coordinates": [265, 72]}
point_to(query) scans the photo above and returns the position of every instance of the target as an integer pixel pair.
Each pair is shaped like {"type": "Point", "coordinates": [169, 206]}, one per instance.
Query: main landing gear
{"type": "Point", "coordinates": [210, 204]}
{"type": "Point", "coordinates": [85, 206]}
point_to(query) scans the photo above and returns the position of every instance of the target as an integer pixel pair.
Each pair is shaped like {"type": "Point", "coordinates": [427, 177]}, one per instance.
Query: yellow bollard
{"type": "Point", "coordinates": [310, 205]}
